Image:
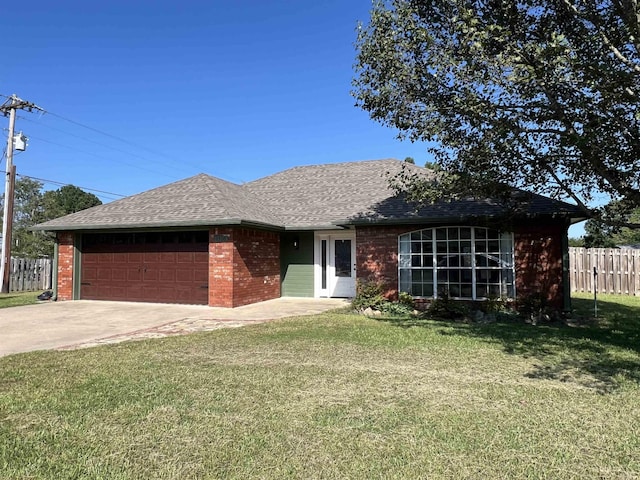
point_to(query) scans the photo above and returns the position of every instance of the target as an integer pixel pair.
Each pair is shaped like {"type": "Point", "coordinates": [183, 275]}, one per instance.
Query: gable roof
{"type": "Point", "coordinates": [198, 200]}
{"type": "Point", "coordinates": [306, 197]}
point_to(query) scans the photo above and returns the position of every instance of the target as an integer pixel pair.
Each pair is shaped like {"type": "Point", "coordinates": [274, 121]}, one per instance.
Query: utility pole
{"type": "Point", "coordinates": [9, 108]}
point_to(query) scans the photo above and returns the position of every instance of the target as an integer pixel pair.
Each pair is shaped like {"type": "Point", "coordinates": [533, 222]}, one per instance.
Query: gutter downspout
{"type": "Point", "coordinates": [566, 280]}
{"type": "Point", "coordinates": [54, 276]}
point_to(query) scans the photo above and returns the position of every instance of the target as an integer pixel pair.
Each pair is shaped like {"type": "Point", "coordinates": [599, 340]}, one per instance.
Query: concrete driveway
{"type": "Point", "coordinates": [83, 323]}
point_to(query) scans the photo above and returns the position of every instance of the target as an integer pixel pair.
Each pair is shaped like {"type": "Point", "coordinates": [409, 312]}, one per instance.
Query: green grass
{"type": "Point", "coordinates": [16, 299]}
{"type": "Point", "coordinates": [334, 396]}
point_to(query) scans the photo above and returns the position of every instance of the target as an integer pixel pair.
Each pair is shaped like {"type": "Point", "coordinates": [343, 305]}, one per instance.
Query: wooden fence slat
{"type": "Point", "coordinates": [30, 274]}
{"type": "Point", "coordinates": [618, 270]}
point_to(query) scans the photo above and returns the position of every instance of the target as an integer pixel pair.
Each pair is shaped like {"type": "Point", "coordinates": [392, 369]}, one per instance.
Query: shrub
{"type": "Point", "coordinates": [447, 309]}
{"type": "Point", "coordinates": [399, 309]}
{"type": "Point", "coordinates": [406, 299]}
{"type": "Point", "coordinates": [369, 295]}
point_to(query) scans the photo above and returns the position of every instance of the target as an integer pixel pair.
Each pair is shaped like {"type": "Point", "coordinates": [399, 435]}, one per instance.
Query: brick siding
{"type": "Point", "coordinates": [65, 265]}
{"type": "Point", "coordinates": [244, 266]}
{"type": "Point", "coordinates": [538, 258]}
{"type": "Point", "coordinates": [377, 255]}
{"type": "Point", "coordinates": [538, 262]}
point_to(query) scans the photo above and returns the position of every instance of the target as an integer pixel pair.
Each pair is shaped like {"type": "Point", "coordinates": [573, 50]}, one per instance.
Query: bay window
{"type": "Point", "coordinates": [470, 263]}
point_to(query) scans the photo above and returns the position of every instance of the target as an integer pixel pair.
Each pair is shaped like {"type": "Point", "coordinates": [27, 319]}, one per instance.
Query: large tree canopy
{"type": "Point", "coordinates": [537, 94]}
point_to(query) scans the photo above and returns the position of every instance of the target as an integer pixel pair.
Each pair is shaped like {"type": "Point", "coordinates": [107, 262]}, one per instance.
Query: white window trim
{"type": "Point", "coordinates": [474, 267]}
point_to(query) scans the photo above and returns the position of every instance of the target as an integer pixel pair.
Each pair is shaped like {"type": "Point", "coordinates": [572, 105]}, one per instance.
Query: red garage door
{"type": "Point", "coordinates": [146, 267]}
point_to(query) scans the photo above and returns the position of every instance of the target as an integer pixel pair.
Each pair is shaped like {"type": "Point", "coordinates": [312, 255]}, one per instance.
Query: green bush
{"type": "Point", "coordinates": [369, 295]}
{"type": "Point", "coordinates": [399, 309]}
{"type": "Point", "coordinates": [406, 299]}
{"type": "Point", "coordinates": [447, 309]}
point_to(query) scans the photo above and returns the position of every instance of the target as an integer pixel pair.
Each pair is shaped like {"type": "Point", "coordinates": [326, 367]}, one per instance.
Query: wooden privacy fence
{"type": "Point", "coordinates": [618, 270]}
{"type": "Point", "coordinates": [30, 274]}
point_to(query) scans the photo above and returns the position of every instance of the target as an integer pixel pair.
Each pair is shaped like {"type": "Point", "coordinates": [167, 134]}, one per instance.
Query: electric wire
{"type": "Point", "coordinates": [63, 184]}
{"type": "Point", "coordinates": [85, 139]}
{"type": "Point", "coordinates": [157, 172]}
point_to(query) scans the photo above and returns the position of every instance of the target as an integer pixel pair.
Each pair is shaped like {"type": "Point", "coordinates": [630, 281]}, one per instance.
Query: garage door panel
{"type": "Point", "coordinates": [200, 257]}
{"type": "Point", "coordinates": [136, 257]}
{"type": "Point", "coordinates": [89, 273]}
{"type": "Point", "coordinates": [134, 274]}
{"type": "Point", "coordinates": [184, 275]}
{"type": "Point", "coordinates": [184, 257]}
{"type": "Point", "coordinates": [167, 257]}
{"type": "Point", "coordinates": [151, 257]}
{"type": "Point", "coordinates": [166, 275]}
{"type": "Point", "coordinates": [117, 275]}
{"type": "Point", "coordinates": [136, 267]}
{"type": "Point", "coordinates": [201, 276]}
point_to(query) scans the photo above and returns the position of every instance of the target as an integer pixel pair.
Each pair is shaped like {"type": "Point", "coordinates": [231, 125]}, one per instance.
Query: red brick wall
{"type": "Point", "coordinates": [244, 267]}
{"type": "Point", "coordinates": [538, 262]}
{"type": "Point", "coordinates": [256, 266]}
{"type": "Point", "coordinates": [65, 266]}
{"type": "Point", "coordinates": [538, 258]}
{"type": "Point", "coordinates": [377, 255]}
{"type": "Point", "coordinates": [221, 252]}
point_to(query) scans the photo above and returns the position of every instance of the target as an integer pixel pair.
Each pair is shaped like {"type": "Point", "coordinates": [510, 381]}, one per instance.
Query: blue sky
{"type": "Point", "coordinates": [235, 89]}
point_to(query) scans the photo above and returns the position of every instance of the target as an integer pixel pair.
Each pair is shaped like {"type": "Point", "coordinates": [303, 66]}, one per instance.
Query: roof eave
{"type": "Point", "coordinates": [175, 224]}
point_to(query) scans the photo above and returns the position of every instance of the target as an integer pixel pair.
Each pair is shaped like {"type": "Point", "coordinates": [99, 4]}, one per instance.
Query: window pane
{"type": "Point", "coordinates": [405, 247]}
{"type": "Point", "coordinates": [416, 276]}
{"type": "Point", "coordinates": [415, 261]}
{"type": "Point", "coordinates": [481, 246]}
{"type": "Point", "coordinates": [416, 235]}
{"type": "Point", "coordinates": [416, 247]}
{"type": "Point", "coordinates": [454, 247]}
{"type": "Point", "coordinates": [453, 234]}
{"type": "Point", "coordinates": [466, 290]}
{"type": "Point", "coordinates": [441, 234]}
{"type": "Point", "coordinates": [404, 261]}
{"type": "Point", "coordinates": [405, 281]}
{"type": "Point", "coordinates": [465, 233]}
{"type": "Point", "coordinates": [427, 276]}
{"type": "Point", "coordinates": [342, 258]}
{"type": "Point", "coordinates": [427, 260]}
{"type": "Point", "coordinates": [427, 247]}
{"type": "Point", "coordinates": [427, 290]}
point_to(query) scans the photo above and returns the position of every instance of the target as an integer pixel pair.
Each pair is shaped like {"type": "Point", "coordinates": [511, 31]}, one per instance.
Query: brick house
{"type": "Point", "coordinates": [309, 231]}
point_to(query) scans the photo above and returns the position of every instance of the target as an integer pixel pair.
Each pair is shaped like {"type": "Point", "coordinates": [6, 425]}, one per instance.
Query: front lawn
{"type": "Point", "coordinates": [16, 299]}
{"type": "Point", "coordinates": [334, 396]}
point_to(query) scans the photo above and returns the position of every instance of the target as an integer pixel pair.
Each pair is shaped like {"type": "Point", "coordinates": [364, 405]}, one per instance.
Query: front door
{"type": "Point", "coordinates": [342, 267]}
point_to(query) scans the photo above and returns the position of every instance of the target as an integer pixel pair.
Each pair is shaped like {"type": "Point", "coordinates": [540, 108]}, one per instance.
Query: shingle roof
{"type": "Point", "coordinates": [199, 200]}
{"type": "Point", "coordinates": [306, 197]}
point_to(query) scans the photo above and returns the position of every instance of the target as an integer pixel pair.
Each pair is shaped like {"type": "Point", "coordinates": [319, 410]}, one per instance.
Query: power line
{"type": "Point", "coordinates": [85, 139]}
{"type": "Point", "coordinates": [115, 137]}
{"type": "Point", "coordinates": [160, 172]}
{"type": "Point", "coordinates": [63, 184]}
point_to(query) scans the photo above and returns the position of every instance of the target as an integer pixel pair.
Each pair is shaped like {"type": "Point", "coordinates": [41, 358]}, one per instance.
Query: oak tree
{"type": "Point", "coordinates": [536, 94]}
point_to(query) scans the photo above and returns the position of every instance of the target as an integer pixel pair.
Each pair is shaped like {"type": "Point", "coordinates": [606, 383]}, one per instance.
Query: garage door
{"type": "Point", "coordinates": [146, 267]}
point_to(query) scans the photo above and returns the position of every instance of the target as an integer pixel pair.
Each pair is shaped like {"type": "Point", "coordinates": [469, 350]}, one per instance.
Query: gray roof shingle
{"type": "Point", "coordinates": [306, 197]}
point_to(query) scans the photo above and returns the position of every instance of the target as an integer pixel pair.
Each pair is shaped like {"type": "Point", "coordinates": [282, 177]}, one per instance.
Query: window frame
{"type": "Point", "coordinates": [471, 263]}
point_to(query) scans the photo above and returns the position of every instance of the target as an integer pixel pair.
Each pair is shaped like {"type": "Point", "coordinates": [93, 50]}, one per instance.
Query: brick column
{"type": "Point", "coordinates": [65, 265]}
{"type": "Point", "coordinates": [221, 251]}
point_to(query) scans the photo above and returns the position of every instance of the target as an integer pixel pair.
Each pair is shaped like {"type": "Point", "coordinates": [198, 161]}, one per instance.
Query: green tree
{"type": "Point", "coordinates": [33, 206]}
{"type": "Point", "coordinates": [28, 210]}
{"type": "Point", "coordinates": [599, 234]}
{"type": "Point", "coordinates": [536, 94]}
